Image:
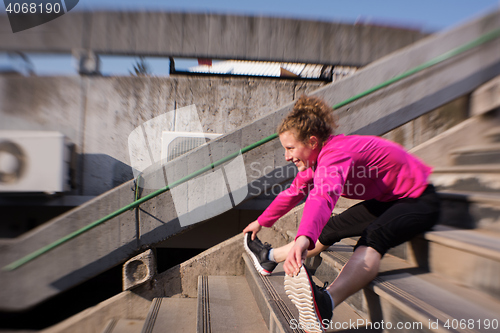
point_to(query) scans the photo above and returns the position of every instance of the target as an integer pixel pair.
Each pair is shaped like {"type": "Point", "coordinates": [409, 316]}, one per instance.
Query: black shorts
{"type": "Point", "coordinates": [383, 225]}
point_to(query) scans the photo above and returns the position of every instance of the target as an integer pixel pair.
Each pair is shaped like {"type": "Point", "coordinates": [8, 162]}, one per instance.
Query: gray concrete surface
{"type": "Point", "coordinates": [486, 98]}
{"type": "Point", "coordinates": [209, 36]}
{"type": "Point", "coordinates": [404, 293]}
{"type": "Point", "coordinates": [172, 314]}
{"type": "Point", "coordinates": [378, 113]}
{"type": "Point", "coordinates": [484, 178]}
{"type": "Point", "coordinates": [475, 248]}
{"type": "Point", "coordinates": [124, 326]}
{"type": "Point", "coordinates": [98, 114]}
{"type": "Point", "coordinates": [429, 125]}
{"type": "Point", "coordinates": [125, 305]}
{"type": "Point", "coordinates": [470, 132]}
{"type": "Point", "coordinates": [230, 304]}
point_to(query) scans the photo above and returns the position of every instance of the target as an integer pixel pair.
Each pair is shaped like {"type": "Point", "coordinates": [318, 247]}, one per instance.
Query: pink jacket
{"type": "Point", "coordinates": [355, 167]}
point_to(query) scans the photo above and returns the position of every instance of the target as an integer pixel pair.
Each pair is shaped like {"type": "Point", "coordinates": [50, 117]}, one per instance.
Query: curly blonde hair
{"type": "Point", "coordinates": [310, 116]}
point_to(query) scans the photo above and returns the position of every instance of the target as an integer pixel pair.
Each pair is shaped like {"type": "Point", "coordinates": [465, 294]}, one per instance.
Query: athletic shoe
{"type": "Point", "coordinates": [260, 254]}
{"type": "Point", "coordinates": [314, 303]}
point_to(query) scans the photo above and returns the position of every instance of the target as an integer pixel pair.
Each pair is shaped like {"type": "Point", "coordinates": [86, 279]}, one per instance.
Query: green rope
{"type": "Point", "coordinates": [20, 262]}
{"type": "Point", "coordinates": [33, 255]}
{"type": "Point", "coordinates": [450, 54]}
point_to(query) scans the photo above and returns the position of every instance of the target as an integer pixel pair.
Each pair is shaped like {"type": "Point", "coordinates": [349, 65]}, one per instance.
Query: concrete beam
{"type": "Point", "coordinates": [210, 36]}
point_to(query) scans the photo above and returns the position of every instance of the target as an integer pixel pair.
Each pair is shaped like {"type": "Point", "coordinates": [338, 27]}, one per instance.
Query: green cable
{"type": "Point", "coordinates": [47, 248]}
{"type": "Point", "coordinates": [479, 41]}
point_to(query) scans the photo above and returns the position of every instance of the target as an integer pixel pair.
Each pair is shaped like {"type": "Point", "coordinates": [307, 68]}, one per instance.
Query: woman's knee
{"type": "Point", "coordinates": [318, 248]}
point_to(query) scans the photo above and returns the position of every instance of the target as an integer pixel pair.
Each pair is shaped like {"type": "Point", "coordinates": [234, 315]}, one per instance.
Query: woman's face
{"type": "Point", "coordinates": [303, 155]}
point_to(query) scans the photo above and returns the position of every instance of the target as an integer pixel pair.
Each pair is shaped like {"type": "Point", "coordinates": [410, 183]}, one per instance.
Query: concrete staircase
{"type": "Point", "coordinates": [267, 308]}
{"type": "Point", "coordinates": [226, 304]}
{"type": "Point", "coordinates": [416, 299]}
{"type": "Point", "coordinates": [165, 315]}
{"type": "Point", "coordinates": [445, 280]}
{"type": "Point", "coordinates": [441, 294]}
{"type": "Point", "coordinates": [473, 168]}
{"type": "Point", "coordinates": [249, 303]}
{"type": "Point", "coordinates": [132, 232]}
{"type": "Point", "coordinates": [471, 185]}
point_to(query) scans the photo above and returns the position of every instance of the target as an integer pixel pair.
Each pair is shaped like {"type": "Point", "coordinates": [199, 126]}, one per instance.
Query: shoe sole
{"type": "Point", "coordinates": [254, 258]}
{"type": "Point", "coordinates": [299, 291]}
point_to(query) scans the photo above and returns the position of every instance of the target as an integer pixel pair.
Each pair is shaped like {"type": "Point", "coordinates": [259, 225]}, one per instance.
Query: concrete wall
{"type": "Point", "coordinates": [99, 113]}
{"type": "Point", "coordinates": [209, 36]}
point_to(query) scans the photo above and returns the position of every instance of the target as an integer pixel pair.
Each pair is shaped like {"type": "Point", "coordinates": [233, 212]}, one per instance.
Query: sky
{"type": "Point", "coordinates": [424, 15]}
{"type": "Point", "coordinates": [431, 15]}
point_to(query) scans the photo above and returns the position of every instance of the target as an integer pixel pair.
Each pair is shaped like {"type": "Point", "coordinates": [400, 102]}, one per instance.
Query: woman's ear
{"type": "Point", "coordinates": [314, 142]}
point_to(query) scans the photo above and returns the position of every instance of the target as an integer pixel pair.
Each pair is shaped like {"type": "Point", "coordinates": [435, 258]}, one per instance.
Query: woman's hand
{"type": "Point", "coordinates": [296, 256]}
{"type": "Point", "coordinates": [253, 227]}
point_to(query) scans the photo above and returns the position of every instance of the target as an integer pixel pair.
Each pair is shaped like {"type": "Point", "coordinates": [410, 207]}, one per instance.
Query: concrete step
{"type": "Point", "coordinates": [493, 135]}
{"type": "Point", "coordinates": [226, 304]}
{"type": "Point", "coordinates": [481, 154]}
{"type": "Point", "coordinates": [403, 294]}
{"type": "Point", "coordinates": [279, 312]}
{"type": "Point", "coordinates": [477, 178]}
{"type": "Point", "coordinates": [468, 257]}
{"type": "Point", "coordinates": [123, 326]}
{"type": "Point", "coordinates": [469, 210]}
{"type": "Point", "coordinates": [171, 314]}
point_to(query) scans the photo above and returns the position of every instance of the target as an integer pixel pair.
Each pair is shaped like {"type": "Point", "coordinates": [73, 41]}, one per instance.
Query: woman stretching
{"type": "Point", "coordinates": [399, 204]}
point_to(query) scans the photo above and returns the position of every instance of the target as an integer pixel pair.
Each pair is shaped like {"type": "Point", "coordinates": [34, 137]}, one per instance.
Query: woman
{"type": "Point", "coordinates": [399, 204]}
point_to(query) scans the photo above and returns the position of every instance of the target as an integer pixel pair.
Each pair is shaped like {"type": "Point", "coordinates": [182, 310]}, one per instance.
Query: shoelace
{"type": "Point", "coordinates": [325, 285]}
{"type": "Point", "coordinates": [265, 245]}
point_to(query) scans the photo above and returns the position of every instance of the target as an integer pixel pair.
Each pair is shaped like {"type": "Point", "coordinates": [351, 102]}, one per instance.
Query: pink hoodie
{"type": "Point", "coordinates": [355, 167]}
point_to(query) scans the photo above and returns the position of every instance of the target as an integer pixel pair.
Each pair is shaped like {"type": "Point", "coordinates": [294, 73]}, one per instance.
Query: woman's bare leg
{"type": "Point", "coordinates": [280, 253]}
{"type": "Point", "coordinates": [360, 270]}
